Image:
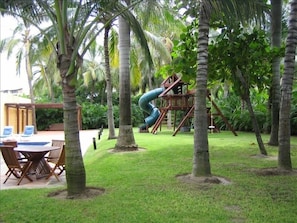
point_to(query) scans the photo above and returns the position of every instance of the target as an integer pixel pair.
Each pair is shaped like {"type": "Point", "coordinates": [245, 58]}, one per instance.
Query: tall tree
{"type": "Point", "coordinates": [71, 22]}
{"type": "Point", "coordinates": [201, 163]}
{"type": "Point", "coordinates": [110, 118]}
{"type": "Point", "coordinates": [234, 56]}
{"type": "Point", "coordinates": [69, 60]}
{"type": "Point", "coordinates": [276, 27]}
{"type": "Point", "coordinates": [125, 139]}
{"type": "Point", "coordinates": [28, 64]}
{"type": "Point", "coordinates": [284, 156]}
{"type": "Point", "coordinates": [233, 11]}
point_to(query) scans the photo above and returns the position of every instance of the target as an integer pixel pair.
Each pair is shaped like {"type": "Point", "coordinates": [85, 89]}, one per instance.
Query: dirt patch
{"type": "Point", "coordinates": [236, 212]}
{"type": "Point", "coordinates": [261, 156]}
{"type": "Point", "coordinates": [89, 193]}
{"type": "Point", "coordinates": [202, 181]}
{"type": "Point", "coordinates": [274, 171]}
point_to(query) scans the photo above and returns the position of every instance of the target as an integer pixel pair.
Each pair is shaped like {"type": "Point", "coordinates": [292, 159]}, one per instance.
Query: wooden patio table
{"type": "Point", "coordinates": [36, 154]}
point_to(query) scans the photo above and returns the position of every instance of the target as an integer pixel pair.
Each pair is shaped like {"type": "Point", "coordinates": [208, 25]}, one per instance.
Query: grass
{"type": "Point", "coordinates": [142, 186]}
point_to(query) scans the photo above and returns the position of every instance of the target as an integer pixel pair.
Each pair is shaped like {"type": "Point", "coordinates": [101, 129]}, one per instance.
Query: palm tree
{"type": "Point", "coordinates": [24, 53]}
{"type": "Point", "coordinates": [201, 163]}
{"type": "Point", "coordinates": [47, 77]}
{"type": "Point", "coordinates": [110, 117]}
{"type": "Point", "coordinates": [29, 72]}
{"type": "Point", "coordinates": [234, 11]}
{"type": "Point", "coordinates": [93, 69]}
{"type": "Point", "coordinates": [160, 48]}
{"type": "Point", "coordinates": [69, 61]}
{"type": "Point", "coordinates": [72, 23]}
{"type": "Point", "coordinates": [276, 27]}
{"type": "Point", "coordinates": [162, 26]}
{"type": "Point", "coordinates": [284, 156]}
{"type": "Point", "coordinates": [125, 139]}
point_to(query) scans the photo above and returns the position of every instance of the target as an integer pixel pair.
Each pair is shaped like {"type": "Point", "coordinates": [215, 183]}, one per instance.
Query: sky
{"type": "Point", "coordinates": [8, 77]}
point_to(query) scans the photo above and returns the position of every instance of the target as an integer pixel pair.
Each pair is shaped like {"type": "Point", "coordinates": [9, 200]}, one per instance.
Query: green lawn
{"type": "Point", "coordinates": [142, 186]}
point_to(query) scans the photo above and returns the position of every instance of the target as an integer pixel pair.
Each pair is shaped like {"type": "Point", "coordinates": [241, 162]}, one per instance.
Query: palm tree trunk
{"type": "Point", "coordinates": [30, 76]}
{"type": "Point", "coordinates": [103, 89]}
{"type": "Point", "coordinates": [284, 156]}
{"type": "Point", "coordinates": [201, 164]}
{"type": "Point", "coordinates": [110, 118]}
{"type": "Point", "coordinates": [276, 26]}
{"type": "Point", "coordinates": [75, 170]}
{"type": "Point", "coordinates": [125, 139]}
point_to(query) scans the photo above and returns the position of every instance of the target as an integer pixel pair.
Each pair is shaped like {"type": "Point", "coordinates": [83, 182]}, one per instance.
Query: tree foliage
{"type": "Point", "coordinates": [249, 51]}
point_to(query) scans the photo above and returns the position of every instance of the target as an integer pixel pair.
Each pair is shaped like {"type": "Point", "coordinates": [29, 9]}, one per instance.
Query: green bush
{"type": "Point", "coordinates": [239, 118]}
{"type": "Point", "coordinates": [94, 116]}
{"type": "Point", "coordinates": [46, 117]}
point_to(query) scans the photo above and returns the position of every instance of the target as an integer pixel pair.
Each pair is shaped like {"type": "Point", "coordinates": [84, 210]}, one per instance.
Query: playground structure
{"type": "Point", "coordinates": [175, 96]}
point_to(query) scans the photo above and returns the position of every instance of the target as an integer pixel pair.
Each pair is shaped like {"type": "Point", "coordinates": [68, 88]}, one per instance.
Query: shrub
{"type": "Point", "coordinates": [93, 116]}
{"type": "Point", "coordinates": [46, 117]}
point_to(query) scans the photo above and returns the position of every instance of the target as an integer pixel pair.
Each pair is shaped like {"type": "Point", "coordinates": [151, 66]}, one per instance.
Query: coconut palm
{"type": "Point", "coordinates": [125, 139]}
{"type": "Point", "coordinates": [276, 27]}
{"type": "Point", "coordinates": [93, 69]}
{"type": "Point", "coordinates": [24, 53]}
{"type": "Point", "coordinates": [284, 156]}
{"type": "Point", "coordinates": [46, 76]}
{"type": "Point", "coordinates": [110, 116]}
{"type": "Point", "coordinates": [162, 26]}
{"type": "Point", "coordinates": [201, 163]}
{"type": "Point", "coordinates": [71, 22]}
{"type": "Point", "coordinates": [234, 11]}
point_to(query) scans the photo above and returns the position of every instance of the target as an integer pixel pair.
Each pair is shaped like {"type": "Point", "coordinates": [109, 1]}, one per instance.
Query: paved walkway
{"type": "Point", "coordinates": [86, 139]}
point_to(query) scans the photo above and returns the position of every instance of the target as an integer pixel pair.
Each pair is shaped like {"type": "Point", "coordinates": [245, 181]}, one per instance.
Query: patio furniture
{"type": "Point", "coordinates": [13, 144]}
{"type": "Point", "coordinates": [59, 164]}
{"type": "Point", "coordinates": [19, 170]}
{"type": "Point", "coordinates": [7, 132]}
{"type": "Point", "coordinates": [53, 155]}
{"type": "Point", "coordinates": [19, 156]}
{"type": "Point", "coordinates": [36, 154]}
{"type": "Point", "coordinates": [28, 131]}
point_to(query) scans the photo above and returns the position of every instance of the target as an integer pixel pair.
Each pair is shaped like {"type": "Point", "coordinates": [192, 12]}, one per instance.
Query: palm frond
{"type": "Point", "coordinates": [158, 43]}
{"type": "Point", "coordinates": [138, 31]}
{"type": "Point", "coordinates": [234, 11]}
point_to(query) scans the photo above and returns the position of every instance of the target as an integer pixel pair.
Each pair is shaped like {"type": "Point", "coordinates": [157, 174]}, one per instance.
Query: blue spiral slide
{"type": "Point", "coordinates": [149, 108]}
